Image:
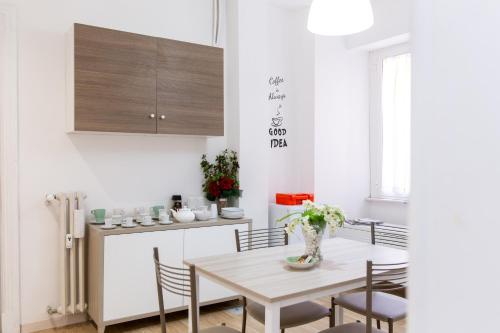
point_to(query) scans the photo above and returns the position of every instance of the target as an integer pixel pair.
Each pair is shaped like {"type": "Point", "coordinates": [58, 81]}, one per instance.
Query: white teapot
{"type": "Point", "coordinates": [183, 215]}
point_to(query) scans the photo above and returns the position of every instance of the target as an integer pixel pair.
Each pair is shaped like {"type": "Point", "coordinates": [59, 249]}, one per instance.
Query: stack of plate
{"type": "Point", "coordinates": [232, 213]}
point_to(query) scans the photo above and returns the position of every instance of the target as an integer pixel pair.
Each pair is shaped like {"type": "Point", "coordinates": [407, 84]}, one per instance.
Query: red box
{"type": "Point", "coordinates": [293, 198]}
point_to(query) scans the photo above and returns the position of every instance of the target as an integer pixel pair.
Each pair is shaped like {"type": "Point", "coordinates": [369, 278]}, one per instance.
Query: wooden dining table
{"type": "Point", "coordinates": [263, 276]}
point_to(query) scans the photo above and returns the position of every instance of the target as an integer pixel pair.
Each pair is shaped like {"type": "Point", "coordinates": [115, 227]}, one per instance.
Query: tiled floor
{"type": "Point", "coordinates": [228, 313]}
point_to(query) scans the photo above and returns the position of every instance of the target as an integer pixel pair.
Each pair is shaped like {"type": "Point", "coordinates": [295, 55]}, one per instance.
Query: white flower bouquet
{"type": "Point", "coordinates": [313, 221]}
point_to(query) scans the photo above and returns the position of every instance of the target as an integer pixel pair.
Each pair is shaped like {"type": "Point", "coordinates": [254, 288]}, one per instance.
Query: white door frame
{"type": "Point", "coordinates": [9, 174]}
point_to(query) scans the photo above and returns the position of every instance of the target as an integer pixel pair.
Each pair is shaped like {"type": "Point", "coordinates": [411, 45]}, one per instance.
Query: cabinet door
{"type": "Point", "coordinates": [202, 242]}
{"type": "Point", "coordinates": [115, 81]}
{"type": "Point", "coordinates": [190, 91]}
{"type": "Point", "coordinates": [129, 274]}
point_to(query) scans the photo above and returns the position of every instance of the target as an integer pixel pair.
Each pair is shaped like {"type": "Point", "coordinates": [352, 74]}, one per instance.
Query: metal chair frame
{"type": "Point", "coordinates": [260, 238]}
{"type": "Point", "coordinates": [178, 281]}
{"type": "Point", "coordinates": [392, 235]}
{"type": "Point", "coordinates": [384, 278]}
{"type": "Point", "coordinates": [387, 278]}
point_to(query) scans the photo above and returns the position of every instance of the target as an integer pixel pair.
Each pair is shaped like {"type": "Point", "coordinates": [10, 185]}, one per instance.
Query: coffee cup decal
{"type": "Point", "coordinates": [277, 122]}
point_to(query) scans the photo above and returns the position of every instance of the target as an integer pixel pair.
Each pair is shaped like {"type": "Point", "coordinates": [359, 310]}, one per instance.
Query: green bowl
{"type": "Point", "coordinates": [292, 262]}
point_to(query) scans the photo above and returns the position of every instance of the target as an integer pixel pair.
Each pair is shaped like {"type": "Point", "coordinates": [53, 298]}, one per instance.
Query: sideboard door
{"type": "Point", "coordinates": [202, 242]}
{"type": "Point", "coordinates": [129, 275]}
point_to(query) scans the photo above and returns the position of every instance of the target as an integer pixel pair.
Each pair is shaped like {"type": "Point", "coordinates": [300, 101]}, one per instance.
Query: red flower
{"type": "Point", "coordinates": [226, 183]}
{"type": "Point", "coordinates": [213, 189]}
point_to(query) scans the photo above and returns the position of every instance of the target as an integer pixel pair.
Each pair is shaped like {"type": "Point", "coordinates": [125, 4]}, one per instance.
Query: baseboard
{"type": "Point", "coordinates": [56, 321]}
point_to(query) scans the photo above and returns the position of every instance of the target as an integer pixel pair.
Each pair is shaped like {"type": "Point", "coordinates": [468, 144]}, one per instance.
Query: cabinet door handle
{"type": "Point", "coordinates": [152, 116]}
{"type": "Point", "coordinates": [162, 117]}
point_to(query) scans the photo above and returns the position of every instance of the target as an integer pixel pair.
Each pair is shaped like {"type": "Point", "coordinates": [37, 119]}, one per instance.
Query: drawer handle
{"type": "Point", "coordinates": [162, 117]}
{"type": "Point", "coordinates": [152, 116]}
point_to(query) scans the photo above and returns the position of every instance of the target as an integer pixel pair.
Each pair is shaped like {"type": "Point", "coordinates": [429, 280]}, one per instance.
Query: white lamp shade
{"type": "Point", "coordinates": [339, 17]}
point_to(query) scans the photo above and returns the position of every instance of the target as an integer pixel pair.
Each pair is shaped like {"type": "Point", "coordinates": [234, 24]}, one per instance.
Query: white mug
{"type": "Point", "coordinates": [213, 211]}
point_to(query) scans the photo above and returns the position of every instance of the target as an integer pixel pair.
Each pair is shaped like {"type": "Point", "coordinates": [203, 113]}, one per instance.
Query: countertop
{"type": "Point", "coordinates": [159, 227]}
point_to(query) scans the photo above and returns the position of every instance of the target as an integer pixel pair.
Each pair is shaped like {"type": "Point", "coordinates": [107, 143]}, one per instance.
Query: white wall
{"type": "Point", "coordinates": [114, 171]}
{"type": "Point", "coordinates": [290, 55]}
{"type": "Point", "coordinates": [391, 23]}
{"type": "Point", "coordinates": [342, 113]}
{"type": "Point", "coordinates": [303, 57]}
{"type": "Point", "coordinates": [456, 158]}
{"type": "Point", "coordinates": [268, 49]}
{"type": "Point", "coordinates": [341, 126]}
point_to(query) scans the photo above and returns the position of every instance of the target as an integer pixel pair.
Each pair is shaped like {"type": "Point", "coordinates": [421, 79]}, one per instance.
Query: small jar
{"type": "Point", "coordinates": [177, 202]}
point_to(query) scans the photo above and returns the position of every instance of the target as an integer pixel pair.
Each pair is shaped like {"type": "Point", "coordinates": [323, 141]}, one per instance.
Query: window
{"type": "Point", "coordinates": [390, 120]}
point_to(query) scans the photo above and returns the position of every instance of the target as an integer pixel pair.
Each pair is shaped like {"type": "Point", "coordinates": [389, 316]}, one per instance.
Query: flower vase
{"type": "Point", "coordinates": [313, 240]}
{"type": "Point", "coordinates": [233, 202]}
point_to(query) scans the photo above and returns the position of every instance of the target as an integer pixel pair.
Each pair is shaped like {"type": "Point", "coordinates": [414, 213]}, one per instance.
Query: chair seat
{"type": "Point", "coordinates": [350, 328]}
{"type": "Point", "coordinates": [292, 315]}
{"type": "Point", "coordinates": [219, 329]}
{"type": "Point", "coordinates": [384, 306]}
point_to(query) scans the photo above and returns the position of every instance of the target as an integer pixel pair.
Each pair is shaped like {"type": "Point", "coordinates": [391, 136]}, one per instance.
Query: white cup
{"type": "Point", "coordinates": [141, 217]}
{"type": "Point", "coordinates": [164, 217]}
{"type": "Point", "coordinates": [147, 219]}
{"type": "Point", "coordinates": [128, 221]}
{"type": "Point", "coordinates": [117, 219]}
{"type": "Point", "coordinates": [139, 211]}
{"type": "Point", "coordinates": [108, 222]}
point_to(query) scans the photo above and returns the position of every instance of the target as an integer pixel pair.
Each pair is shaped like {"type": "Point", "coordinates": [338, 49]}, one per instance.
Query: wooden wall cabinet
{"type": "Point", "coordinates": [130, 83]}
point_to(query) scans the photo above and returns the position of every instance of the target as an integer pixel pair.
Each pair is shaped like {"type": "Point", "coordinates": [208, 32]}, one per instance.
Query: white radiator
{"type": "Point", "coordinates": [71, 252]}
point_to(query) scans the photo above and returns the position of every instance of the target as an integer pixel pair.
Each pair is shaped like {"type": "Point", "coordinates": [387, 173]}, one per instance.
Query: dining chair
{"type": "Point", "coordinates": [180, 281]}
{"type": "Point", "coordinates": [389, 235]}
{"type": "Point", "coordinates": [381, 234]}
{"type": "Point", "coordinates": [378, 301]}
{"type": "Point", "coordinates": [395, 236]}
{"type": "Point", "coordinates": [290, 316]}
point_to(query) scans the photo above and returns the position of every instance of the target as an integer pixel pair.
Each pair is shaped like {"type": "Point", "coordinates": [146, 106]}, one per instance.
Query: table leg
{"type": "Point", "coordinates": [273, 318]}
{"type": "Point", "coordinates": [340, 316]}
{"type": "Point", "coordinates": [194, 306]}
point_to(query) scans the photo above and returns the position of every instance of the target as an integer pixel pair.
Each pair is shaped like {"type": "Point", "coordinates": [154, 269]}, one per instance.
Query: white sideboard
{"type": "Point", "coordinates": [121, 277]}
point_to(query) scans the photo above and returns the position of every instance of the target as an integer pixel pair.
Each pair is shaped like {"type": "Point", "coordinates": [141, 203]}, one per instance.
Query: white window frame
{"type": "Point", "coordinates": [376, 59]}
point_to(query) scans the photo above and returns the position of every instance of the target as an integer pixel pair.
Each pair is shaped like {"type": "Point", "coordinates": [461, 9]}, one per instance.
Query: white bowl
{"type": "Point", "coordinates": [231, 209]}
{"type": "Point", "coordinates": [202, 215]}
{"type": "Point", "coordinates": [232, 216]}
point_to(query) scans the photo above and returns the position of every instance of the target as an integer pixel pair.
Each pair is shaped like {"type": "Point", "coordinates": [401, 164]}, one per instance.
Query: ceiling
{"type": "Point", "coordinates": [292, 3]}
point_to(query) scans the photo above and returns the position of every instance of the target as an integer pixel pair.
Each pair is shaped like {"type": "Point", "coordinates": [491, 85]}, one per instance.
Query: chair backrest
{"type": "Point", "coordinates": [392, 235]}
{"type": "Point", "coordinates": [260, 238]}
{"type": "Point", "coordinates": [178, 281]}
{"type": "Point", "coordinates": [383, 278]}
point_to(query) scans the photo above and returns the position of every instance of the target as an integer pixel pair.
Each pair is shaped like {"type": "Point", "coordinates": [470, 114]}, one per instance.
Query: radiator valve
{"type": "Point", "coordinates": [51, 311]}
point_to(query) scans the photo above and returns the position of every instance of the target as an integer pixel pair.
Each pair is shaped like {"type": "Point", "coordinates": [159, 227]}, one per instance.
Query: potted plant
{"type": "Point", "coordinates": [314, 221]}
{"type": "Point", "coordinates": [221, 177]}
